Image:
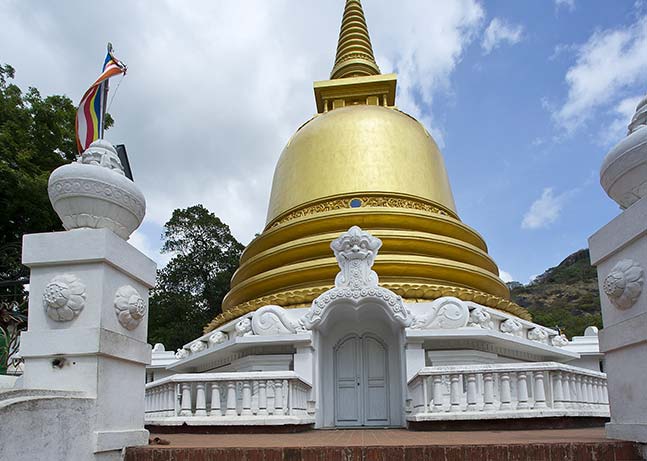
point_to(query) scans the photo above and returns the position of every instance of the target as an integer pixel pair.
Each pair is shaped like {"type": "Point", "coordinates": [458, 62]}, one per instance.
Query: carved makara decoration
{"type": "Point", "coordinates": [181, 354]}
{"type": "Point", "coordinates": [130, 307]}
{"type": "Point", "coordinates": [538, 334]}
{"type": "Point", "coordinates": [445, 313]}
{"type": "Point", "coordinates": [244, 327]}
{"type": "Point", "coordinates": [198, 346]}
{"type": "Point", "coordinates": [480, 318]}
{"type": "Point", "coordinates": [624, 283]}
{"type": "Point", "coordinates": [218, 337]}
{"type": "Point", "coordinates": [274, 320]}
{"type": "Point", "coordinates": [559, 341]}
{"type": "Point", "coordinates": [511, 327]}
{"type": "Point", "coordinates": [64, 297]}
{"type": "Point", "coordinates": [355, 251]}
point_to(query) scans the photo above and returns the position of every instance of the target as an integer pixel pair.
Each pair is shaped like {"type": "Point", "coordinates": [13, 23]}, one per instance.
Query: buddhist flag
{"type": "Point", "coordinates": [89, 116]}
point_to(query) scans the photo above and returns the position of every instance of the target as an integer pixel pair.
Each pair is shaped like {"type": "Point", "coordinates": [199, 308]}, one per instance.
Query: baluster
{"type": "Point", "coordinates": [215, 400]}
{"type": "Point", "coordinates": [200, 400]}
{"type": "Point", "coordinates": [558, 393]}
{"type": "Point", "coordinates": [255, 397]}
{"type": "Point", "coordinates": [455, 393]}
{"type": "Point", "coordinates": [262, 398]}
{"type": "Point", "coordinates": [231, 399]}
{"type": "Point", "coordinates": [540, 393]}
{"type": "Point", "coordinates": [505, 395]}
{"type": "Point", "coordinates": [438, 393]}
{"type": "Point", "coordinates": [158, 400]}
{"type": "Point", "coordinates": [566, 390]}
{"type": "Point", "coordinates": [271, 401]}
{"type": "Point", "coordinates": [425, 401]}
{"type": "Point", "coordinates": [488, 392]}
{"type": "Point", "coordinates": [185, 406]}
{"type": "Point", "coordinates": [589, 388]}
{"type": "Point", "coordinates": [605, 392]}
{"type": "Point", "coordinates": [285, 396]}
{"type": "Point", "coordinates": [247, 399]}
{"type": "Point", "coordinates": [522, 390]}
{"type": "Point", "coordinates": [581, 390]}
{"type": "Point", "coordinates": [278, 397]}
{"type": "Point", "coordinates": [471, 392]}
{"type": "Point", "coordinates": [574, 395]}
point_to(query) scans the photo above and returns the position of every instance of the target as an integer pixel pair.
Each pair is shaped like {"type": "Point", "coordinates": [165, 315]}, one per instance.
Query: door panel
{"type": "Point", "coordinates": [375, 382]}
{"type": "Point", "coordinates": [347, 392]}
{"type": "Point", "coordinates": [361, 382]}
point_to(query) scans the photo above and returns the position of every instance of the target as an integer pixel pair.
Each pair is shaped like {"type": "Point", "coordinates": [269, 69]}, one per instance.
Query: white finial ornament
{"type": "Point", "coordinates": [94, 193]}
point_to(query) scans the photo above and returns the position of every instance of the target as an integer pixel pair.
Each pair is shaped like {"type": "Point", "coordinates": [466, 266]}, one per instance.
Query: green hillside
{"type": "Point", "coordinates": [565, 296]}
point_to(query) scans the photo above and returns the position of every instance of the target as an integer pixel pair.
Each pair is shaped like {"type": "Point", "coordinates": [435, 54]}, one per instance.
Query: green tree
{"type": "Point", "coordinates": [191, 287]}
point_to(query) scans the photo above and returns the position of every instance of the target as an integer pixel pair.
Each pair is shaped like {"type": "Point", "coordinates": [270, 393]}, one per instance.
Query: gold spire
{"type": "Point", "coordinates": [354, 51]}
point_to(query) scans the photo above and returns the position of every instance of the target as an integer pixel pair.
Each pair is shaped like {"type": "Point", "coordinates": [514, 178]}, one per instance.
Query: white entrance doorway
{"type": "Point", "coordinates": [361, 379]}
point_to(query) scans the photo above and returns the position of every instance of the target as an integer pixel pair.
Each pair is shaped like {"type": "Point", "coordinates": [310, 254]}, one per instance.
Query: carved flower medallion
{"type": "Point", "coordinates": [624, 283]}
{"type": "Point", "coordinates": [130, 307]}
{"type": "Point", "coordinates": [64, 297]}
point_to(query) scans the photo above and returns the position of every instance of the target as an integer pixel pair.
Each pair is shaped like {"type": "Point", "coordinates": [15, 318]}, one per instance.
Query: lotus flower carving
{"type": "Point", "coordinates": [64, 297]}
{"type": "Point", "coordinates": [130, 307]}
{"type": "Point", "coordinates": [624, 283]}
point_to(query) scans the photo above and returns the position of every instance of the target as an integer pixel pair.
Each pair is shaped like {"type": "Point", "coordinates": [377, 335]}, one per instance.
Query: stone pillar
{"type": "Point", "coordinates": [88, 319]}
{"type": "Point", "coordinates": [619, 250]}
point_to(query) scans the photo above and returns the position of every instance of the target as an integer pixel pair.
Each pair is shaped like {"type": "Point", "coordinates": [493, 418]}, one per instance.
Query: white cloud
{"type": "Point", "coordinates": [570, 4]}
{"type": "Point", "coordinates": [505, 276]}
{"type": "Point", "coordinates": [543, 211]}
{"type": "Point", "coordinates": [608, 64]}
{"type": "Point", "coordinates": [498, 32]}
{"type": "Point", "coordinates": [144, 243]}
{"type": "Point", "coordinates": [215, 90]}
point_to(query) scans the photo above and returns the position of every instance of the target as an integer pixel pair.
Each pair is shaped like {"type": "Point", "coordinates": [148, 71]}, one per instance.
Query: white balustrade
{"type": "Point", "coordinates": [242, 398]}
{"type": "Point", "coordinates": [496, 391]}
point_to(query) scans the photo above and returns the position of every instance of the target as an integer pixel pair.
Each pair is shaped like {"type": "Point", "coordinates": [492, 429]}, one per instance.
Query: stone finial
{"type": "Point", "coordinates": [94, 193]}
{"type": "Point", "coordinates": [355, 251]}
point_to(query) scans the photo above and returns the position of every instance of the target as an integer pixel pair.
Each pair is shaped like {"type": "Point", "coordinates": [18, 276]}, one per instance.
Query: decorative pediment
{"type": "Point", "coordinates": [357, 283]}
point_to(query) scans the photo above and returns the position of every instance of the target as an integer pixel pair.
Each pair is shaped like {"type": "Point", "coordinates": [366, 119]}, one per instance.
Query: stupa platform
{"type": "Point", "coordinates": [391, 445]}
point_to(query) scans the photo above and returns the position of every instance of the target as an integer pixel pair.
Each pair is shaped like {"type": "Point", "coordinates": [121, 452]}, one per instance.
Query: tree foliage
{"type": "Point", "coordinates": [191, 287]}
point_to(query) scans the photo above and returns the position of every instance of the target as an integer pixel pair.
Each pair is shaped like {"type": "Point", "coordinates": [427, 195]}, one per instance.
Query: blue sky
{"type": "Point", "coordinates": [524, 98]}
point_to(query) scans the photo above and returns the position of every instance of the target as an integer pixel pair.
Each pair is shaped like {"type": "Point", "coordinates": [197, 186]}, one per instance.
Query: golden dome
{"type": "Point", "coordinates": [359, 149]}
{"type": "Point", "coordinates": [361, 161]}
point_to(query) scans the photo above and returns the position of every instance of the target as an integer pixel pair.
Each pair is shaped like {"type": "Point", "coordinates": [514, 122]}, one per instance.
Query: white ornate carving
{"type": "Point", "coordinates": [480, 318]}
{"type": "Point", "coordinates": [446, 312]}
{"type": "Point", "coordinates": [130, 307]}
{"type": "Point", "coordinates": [273, 320]}
{"type": "Point", "coordinates": [244, 327]}
{"type": "Point", "coordinates": [181, 354]}
{"type": "Point", "coordinates": [64, 297]}
{"type": "Point", "coordinates": [559, 341]}
{"type": "Point", "coordinates": [511, 327]}
{"type": "Point", "coordinates": [355, 251]}
{"type": "Point", "coordinates": [538, 334]}
{"type": "Point", "coordinates": [218, 337]}
{"type": "Point", "coordinates": [102, 153]}
{"type": "Point", "coordinates": [87, 195]}
{"type": "Point", "coordinates": [198, 346]}
{"type": "Point", "coordinates": [624, 283]}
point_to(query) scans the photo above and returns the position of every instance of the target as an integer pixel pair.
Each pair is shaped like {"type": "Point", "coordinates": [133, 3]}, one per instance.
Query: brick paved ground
{"type": "Point", "coordinates": [391, 445]}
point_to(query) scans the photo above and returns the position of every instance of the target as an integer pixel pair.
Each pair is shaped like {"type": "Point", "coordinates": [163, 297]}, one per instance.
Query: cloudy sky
{"type": "Point", "coordinates": [524, 98]}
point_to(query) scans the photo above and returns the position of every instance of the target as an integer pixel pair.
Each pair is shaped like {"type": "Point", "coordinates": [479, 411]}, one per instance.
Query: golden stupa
{"type": "Point", "coordinates": [361, 161]}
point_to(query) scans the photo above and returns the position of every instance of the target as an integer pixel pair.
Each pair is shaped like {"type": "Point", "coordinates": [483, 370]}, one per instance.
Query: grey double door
{"type": "Point", "coordinates": [361, 382]}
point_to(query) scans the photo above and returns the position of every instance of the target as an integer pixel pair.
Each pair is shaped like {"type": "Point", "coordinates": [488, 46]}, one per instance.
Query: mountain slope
{"type": "Point", "coordinates": [565, 296]}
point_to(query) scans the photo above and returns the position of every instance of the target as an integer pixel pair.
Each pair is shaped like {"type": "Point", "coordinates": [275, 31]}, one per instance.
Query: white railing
{"type": "Point", "coordinates": [498, 391]}
{"type": "Point", "coordinates": [277, 397]}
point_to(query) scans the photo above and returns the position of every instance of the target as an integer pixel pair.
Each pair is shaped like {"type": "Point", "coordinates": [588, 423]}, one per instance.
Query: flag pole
{"type": "Point", "coordinates": [104, 106]}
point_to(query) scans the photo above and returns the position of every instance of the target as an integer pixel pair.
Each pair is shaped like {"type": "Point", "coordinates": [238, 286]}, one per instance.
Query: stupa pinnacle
{"type": "Point", "coordinates": [361, 161]}
{"type": "Point", "coordinates": [354, 51]}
